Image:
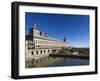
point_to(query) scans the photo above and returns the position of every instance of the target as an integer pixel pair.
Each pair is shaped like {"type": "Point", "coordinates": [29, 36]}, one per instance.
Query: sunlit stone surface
{"type": "Point", "coordinates": [38, 44]}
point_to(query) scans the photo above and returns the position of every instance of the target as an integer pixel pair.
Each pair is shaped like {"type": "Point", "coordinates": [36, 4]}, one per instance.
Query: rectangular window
{"type": "Point", "coordinates": [44, 51]}
{"type": "Point", "coordinates": [41, 51]}
{"type": "Point", "coordinates": [32, 52]}
{"type": "Point", "coordinates": [37, 52]}
{"type": "Point", "coordinates": [48, 51]}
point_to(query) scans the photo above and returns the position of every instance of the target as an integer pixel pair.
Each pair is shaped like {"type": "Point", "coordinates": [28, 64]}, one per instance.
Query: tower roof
{"type": "Point", "coordinates": [35, 26]}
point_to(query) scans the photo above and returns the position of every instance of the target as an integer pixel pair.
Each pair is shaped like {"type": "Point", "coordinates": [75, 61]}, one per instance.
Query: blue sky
{"type": "Point", "coordinates": [74, 27]}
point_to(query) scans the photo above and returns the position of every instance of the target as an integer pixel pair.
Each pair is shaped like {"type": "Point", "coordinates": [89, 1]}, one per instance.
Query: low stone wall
{"type": "Point", "coordinates": [69, 56]}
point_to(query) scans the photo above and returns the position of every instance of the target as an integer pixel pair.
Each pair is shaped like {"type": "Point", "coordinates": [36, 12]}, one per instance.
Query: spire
{"type": "Point", "coordinates": [64, 39]}
{"type": "Point", "coordinates": [34, 25]}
